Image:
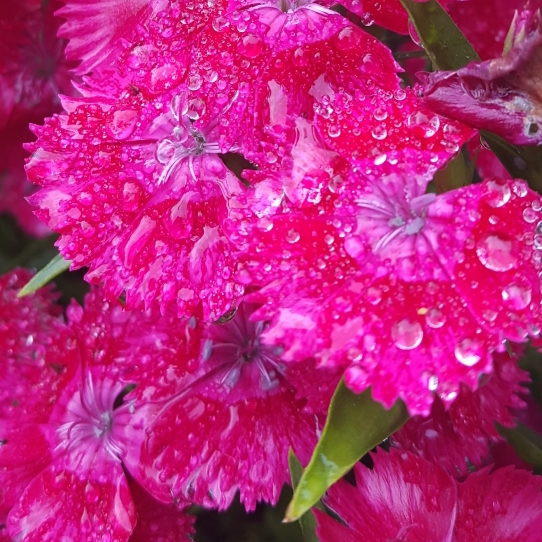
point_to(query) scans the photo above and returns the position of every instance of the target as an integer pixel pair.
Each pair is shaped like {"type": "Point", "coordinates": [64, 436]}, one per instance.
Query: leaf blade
{"type": "Point", "coordinates": [355, 425]}
{"type": "Point", "coordinates": [54, 268]}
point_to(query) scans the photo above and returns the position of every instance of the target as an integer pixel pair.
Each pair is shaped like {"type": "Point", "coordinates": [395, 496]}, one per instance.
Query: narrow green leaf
{"type": "Point", "coordinates": [355, 424]}
{"type": "Point", "coordinates": [56, 266]}
{"type": "Point", "coordinates": [526, 442]}
{"type": "Point", "coordinates": [307, 521]}
{"type": "Point", "coordinates": [449, 49]}
{"type": "Point", "coordinates": [444, 43]}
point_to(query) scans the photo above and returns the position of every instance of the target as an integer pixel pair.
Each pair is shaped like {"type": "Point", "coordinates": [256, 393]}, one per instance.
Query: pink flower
{"type": "Point", "coordinates": [32, 66]}
{"type": "Point", "coordinates": [389, 14]}
{"type": "Point", "coordinates": [500, 95]}
{"type": "Point", "coordinates": [221, 409]}
{"type": "Point", "coordinates": [146, 210]}
{"type": "Point", "coordinates": [408, 498]}
{"type": "Point", "coordinates": [410, 292]}
{"type": "Point", "coordinates": [62, 451]}
{"type": "Point", "coordinates": [462, 435]}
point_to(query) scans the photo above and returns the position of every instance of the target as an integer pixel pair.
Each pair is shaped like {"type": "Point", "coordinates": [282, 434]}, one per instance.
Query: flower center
{"type": "Point", "coordinates": [236, 347]}
{"type": "Point", "coordinates": [90, 417]}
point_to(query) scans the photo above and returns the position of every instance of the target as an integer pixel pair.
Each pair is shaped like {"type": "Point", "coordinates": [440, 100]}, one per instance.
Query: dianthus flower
{"type": "Point", "coordinates": [411, 499]}
{"type": "Point", "coordinates": [63, 434]}
{"type": "Point", "coordinates": [410, 292]}
{"type": "Point", "coordinates": [32, 66]}
{"type": "Point", "coordinates": [461, 437]}
{"type": "Point", "coordinates": [502, 94]}
{"type": "Point", "coordinates": [220, 407]}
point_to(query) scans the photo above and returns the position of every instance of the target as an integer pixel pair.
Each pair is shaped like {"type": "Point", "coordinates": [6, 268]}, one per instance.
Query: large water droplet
{"type": "Point", "coordinates": [496, 252]}
{"type": "Point", "coordinates": [414, 33]}
{"type": "Point", "coordinates": [435, 318]}
{"type": "Point", "coordinates": [423, 123]}
{"type": "Point", "coordinates": [292, 236]}
{"type": "Point", "coordinates": [406, 334]}
{"type": "Point", "coordinates": [121, 124]}
{"type": "Point", "coordinates": [469, 352]}
{"type": "Point", "coordinates": [250, 46]}
{"type": "Point", "coordinates": [517, 296]}
{"type": "Point", "coordinates": [497, 193]}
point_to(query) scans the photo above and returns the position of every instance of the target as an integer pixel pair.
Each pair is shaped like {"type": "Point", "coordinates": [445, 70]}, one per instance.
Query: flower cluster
{"type": "Point", "coordinates": [251, 185]}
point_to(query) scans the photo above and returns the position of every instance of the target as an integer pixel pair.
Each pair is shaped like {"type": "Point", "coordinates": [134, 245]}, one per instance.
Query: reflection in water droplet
{"type": "Point", "coordinates": [517, 296]}
{"type": "Point", "coordinates": [435, 318]}
{"type": "Point", "coordinates": [250, 46]}
{"type": "Point", "coordinates": [498, 192]}
{"type": "Point", "coordinates": [496, 252]}
{"type": "Point", "coordinates": [292, 236]}
{"type": "Point", "coordinates": [407, 334]}
{"type": "Point", "coordinates": [433, 383]}
{"type": "Point", "coordinates": [426, 123]}
{"type": "Point", "coordinates": [469, 352]}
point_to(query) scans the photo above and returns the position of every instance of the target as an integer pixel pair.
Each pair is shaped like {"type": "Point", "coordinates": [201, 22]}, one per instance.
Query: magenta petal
{"type": "Point", "coordinates": [501, 95]}
{"type": "Point", "coordinates": [505, 505]}
{"type": "Point", "coordinates": [463, 434]}
{"type": "Point", "coordinates": [389, 14]}
{"type": "Point", "coordinates": [65, 501]}
{"type": "Point", "coordinates": [95, 27]}
{"type": "Point", "coordinates": [158, 522]}
{"type": "Point", "coordinates": [402, 498]}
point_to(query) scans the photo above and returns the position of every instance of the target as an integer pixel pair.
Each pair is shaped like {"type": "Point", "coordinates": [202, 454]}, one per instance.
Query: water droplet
{"type": "Point", "coordinates": [432, 383]}
{"type": "Point", "coordinates": [469, 352]}
{"type": "Point", "coordinates": [407, 334]}
{"type": "Point", "coordinates": [435, 318]}
{"type": "Point", "coordinates": [529, 215]}
{"type": "Point", "coordinates": [121, 124]}
{"type": "Point", "coordinates": [196, 109]}
{"type": "Point", "coordinates": [496, 252]}
{"type": "Point", "coordinates": [414, 33]}
{"type": "Point", "coordinates": [292, 236]}
{"type": "Point", "coordinates": [374, 295]}
{"type": "Point", "coordinates": [348, 38]}
{"type": "Point", "coordinates": [423, 123]}
{"type": "Point", "coordinates": [380, 114]}
{"type": "Point", "coordinates": [334, 131]}
{"type": "Point", "coordinates": [379, 132]}
{"type": "Point", "coordinates": [91, 493]}
{"type": "Point", "coordinates": [517, 296]}
{"type": "Point", "coordinates": [497, 193]}
{"type": "Point", "coordinates": [520, 188]}
{"type": "Point", "coordinates": [194, 82]}
{"type": "Point", "coordinates": [250, 46]}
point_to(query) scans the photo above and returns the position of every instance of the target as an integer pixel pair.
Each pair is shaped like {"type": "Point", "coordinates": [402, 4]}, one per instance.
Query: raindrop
{"type": "Point", "coordinates": [194, 82]}
{"type": "Point", "coordinates": [250, 46]}
{"type": "Point", "coordinates": [517, 296]}
{"type": "Point", "coordinates": [468, 352]}
{"type": "Point", "coordinates": [496, 252]}
{"type": "Point", "coordinates": [346, 39]}
{"type": "Point", "coordinates": [374, 295]}
{"type": "Point", "coordinates": [121, 124]}
{"type": "Point", "coordinates": [414, 33]}
{"type": "Point", "coordinates": [334, 131]}
{"type": "Point", "coordinates": [379, 132]}
{"type": "Point", "coordinates": [407, 334]}
{"type": "Point", "coordinates": [435, 318]}
{"type": "Point", "coordinates": [498, 193]}
{"type": "Point", "coordinates": [529, 215]}
{"type": "Point", "coordinates": [432, 384]}
{"type": "Point", "coordinates": [426, 123]}
{"type": "Point", "coordinates": [196, 109]}
{"type": "Point", "coordinates": [380, 114]}
{"type": "Point", "coordinates": [292, 236]}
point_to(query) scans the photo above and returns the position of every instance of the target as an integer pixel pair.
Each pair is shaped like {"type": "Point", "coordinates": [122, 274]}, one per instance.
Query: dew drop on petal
{"type": "Point", "coordinates": [498, 193]}
{"type": "Point", "coordinates": [250, 46]}
{"type": "Point", "coordinates": [496, 252]}
{"type": "Point", "coordinates": [407, 334]}
{"type": "Point", "coordinates": [379, 132]}
{"type": "Point", "coordinates": [432, 383]}
{"type": "Point", "coordinates": [121, 124]}
{"type": "Point", "coordinates": [334, 131]}
{"type": "Point", "coordinates": [346, 39]}
{"type": "Point", "coordinates": [292, 236]}
{"type": "Point", "coordinates": [425, 123]}
{"type": "Point", "coordinates": [435, 318]}
{"type": "Point", "coordinates": [529, 215]}
{"type": "Point", "coordinates": [374, 295]}
{"type": "Point", "coordinates": [517, 296]}
{"type": "Point", "coordinates": [469, 352]}
{"type": "Point", "coordinates": [194, 82]}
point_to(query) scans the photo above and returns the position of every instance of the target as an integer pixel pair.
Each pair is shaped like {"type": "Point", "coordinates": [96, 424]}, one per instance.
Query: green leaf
{"type": "Point", "coordinates": [455, 175]}
{"type": "Point", "coordinates": [307, 521]}
{"type": "Point", "coordinates": [449, 49]}
{"type": "Point", "coordinates": [526, 442]}
{"type": "Point", "coordinates": [355, 424]}
{"type": "Point", "coordinates": [56, 266]}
